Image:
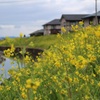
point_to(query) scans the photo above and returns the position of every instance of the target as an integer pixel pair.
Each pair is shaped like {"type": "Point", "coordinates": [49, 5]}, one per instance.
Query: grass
{"type": "Point", "coordinates": [43, 42]}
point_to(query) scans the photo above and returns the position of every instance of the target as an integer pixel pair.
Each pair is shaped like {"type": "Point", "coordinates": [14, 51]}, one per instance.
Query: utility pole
{"type": "Point", "coordinates": [96, 19]}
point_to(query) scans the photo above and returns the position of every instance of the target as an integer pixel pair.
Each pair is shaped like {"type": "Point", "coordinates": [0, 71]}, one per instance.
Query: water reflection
{"type": "Point", "coordinates": [5, 65]}
{"type": "Point", "coordinates": [2, 59]}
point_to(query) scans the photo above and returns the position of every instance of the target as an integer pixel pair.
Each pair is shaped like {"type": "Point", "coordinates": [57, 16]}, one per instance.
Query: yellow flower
{"type": "Point", "coordinates": [69, 79]}
{"type": "Point", "coordinates": [76, 26]}
{"type": "Point", "coordinates": [77, 73]}
{"type": "Point", "coordinates": [35, 98]}
{"type": "Point", "coordinates": [31, 44]}
{"type": "Point", "coordinates": [2, 69]}
{"type": "Point", "coordinates": [29, 81]}
{"type": "Point", "coordinates": [27, 59]}
{"type": "Point", "coordinates": [24, 96]}
{"type": "Point", "coordinates": [8, 87]}
{"type": "Point", "coordinates": [1, 87]}
{"type": "Point", "coordinates": [12, 48]}
{"type": "Point", "coordinates": [50, 91]}
{"type": "Point", "coordinates": [57, 64]}
{"type": "Point", "coordinates": [63, 30]}
{"type": "Point", "coordinates": [81, 23]}
{"type": "Point", "coordinates": [34, 92]}
{"type": "Point", "coordinates": [92, 81]}
{"type": "Point", "coordinates": [87, 97]}
{"type": "Point", "coordinates": [99, 84]}
{"type": "Point", "coordinates": [94, 75]}
{"type": "Point", "coordinates": [97, 33]}
{"type": "Point", "coordinates": [18, 79]}
{"type": "Point", "coordinates": [14, 83]}
{"type": "Point", "coordinates": [59, 35]}
{"type": "Point", "coordinates": [34, 87]}
{"type": "Point", "coordinates": [37, 83]}
{"type": "Point", "coordinates": [76, 80]}
{"type": "Point", "coordinates": [9, 52]}
{"type": "Point", "coordinates": [21, 35]}
{"type": "Point", "coordinates": [19, 74]}
{"type": "Point", "coordinates": [76, 90]}
{"type": "Point", "coordinates": [28, 85]}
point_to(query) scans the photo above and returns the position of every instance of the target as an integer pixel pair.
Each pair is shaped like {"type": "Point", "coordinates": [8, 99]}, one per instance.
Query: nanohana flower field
{"type": "Point", "coordinates": [68, 70]}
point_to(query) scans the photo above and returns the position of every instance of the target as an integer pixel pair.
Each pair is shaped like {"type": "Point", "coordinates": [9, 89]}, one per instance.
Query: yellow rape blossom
{"type": "Point", "coordinates": [24, 96]}
{"type": "Point", "coordinates": [99, 84]}
{"type": "Point", "coordinates": [81, 23]}
{"type": "Point", "coordinates": [21, 34]}
{"type": "Point", "coordinates": [1, 87]}
{"type": "Point", "coordinates": [63, 30]}
{"type": "Point", "coordinates": [27, 59]}
{"type": "Point", "coordinates": [28, 81]}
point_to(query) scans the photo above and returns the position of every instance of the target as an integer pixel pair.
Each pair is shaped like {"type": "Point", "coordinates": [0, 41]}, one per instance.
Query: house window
{"type": "Point", "coordinates": [72, 23]}
{"type": "Point", "coordinates": [91, 21]}
{"type": "Point", "coordinates": [44, 27]}
{"type": "Point", "coordinates": [64, 24]}
{"type": "Point", "coordinates": [53, 27]}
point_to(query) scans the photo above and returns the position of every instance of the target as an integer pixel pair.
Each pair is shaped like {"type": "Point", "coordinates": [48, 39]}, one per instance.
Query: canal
{"type": "Point", "coordinates": [5, 65]}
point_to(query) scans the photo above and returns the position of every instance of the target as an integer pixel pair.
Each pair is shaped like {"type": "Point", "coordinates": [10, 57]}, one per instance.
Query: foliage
{"type": "Point", "coordinates": [43, 42]}
{"type": "Point", "coordinates": [68, 70]}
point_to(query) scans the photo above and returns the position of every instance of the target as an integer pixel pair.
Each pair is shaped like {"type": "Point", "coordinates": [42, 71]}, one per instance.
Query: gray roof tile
{"type": "Point", "coordinates": [38, 31]}
{"type": "Point", "coordinates": [53, 22]}
{"type": "Point", "coordinates": [73, 16]}
{"type": "Point", "coordinates": [92, 15]}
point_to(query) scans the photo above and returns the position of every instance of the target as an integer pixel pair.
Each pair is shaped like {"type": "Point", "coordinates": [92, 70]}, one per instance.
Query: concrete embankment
{"type": "Point", "coordinates": [1, 57]}
{"type": "Point", "coordinates": [33, 51]}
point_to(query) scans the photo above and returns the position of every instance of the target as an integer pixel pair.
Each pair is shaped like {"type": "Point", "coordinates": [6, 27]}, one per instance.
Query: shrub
{"type": "Point", "coordinates": [68, 70]}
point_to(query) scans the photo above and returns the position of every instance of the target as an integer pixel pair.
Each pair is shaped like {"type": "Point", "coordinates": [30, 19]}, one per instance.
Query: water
{"type": "Point", "coordinates": [6, 65]}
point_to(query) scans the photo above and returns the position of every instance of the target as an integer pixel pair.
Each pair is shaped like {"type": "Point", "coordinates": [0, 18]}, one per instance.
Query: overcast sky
{"type": "Point", "coordinates": [27, 16]}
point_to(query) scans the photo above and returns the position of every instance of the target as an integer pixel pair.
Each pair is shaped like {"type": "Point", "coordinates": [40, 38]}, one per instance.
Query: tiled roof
{"type": "Point", "coordinates": [92, 15]}
{"type": "Point", "coordinates": [37, 32]}
{"type": "Point", "coordinates": [73, 16]}
{"type": "Point", "coordinates": [53, 22]}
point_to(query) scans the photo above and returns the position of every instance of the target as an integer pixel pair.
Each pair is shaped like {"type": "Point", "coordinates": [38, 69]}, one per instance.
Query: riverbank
{"type": "Point", "coordinates": [32, 51]}
{"type": "Point", "coordinates": [42, 42]}
{"type": "Point", "coordinates": [1, 57]}
{"type": "Point", "coordinates": [68, 70]}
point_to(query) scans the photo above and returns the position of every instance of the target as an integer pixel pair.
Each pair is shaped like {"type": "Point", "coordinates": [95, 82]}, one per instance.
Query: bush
{"type": "Point", "coordinates": [68, 70]}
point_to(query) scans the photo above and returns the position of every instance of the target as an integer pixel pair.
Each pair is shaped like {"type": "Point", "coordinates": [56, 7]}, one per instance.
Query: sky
{"type": "Point", "coordinates": [27, 16]}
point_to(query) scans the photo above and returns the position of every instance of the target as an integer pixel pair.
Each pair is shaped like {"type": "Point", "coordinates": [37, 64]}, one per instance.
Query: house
{"type": "Point", "coordinates": [67, 20]}
{"type": "Point", "coordinates": [91, 19]}
{"type": "Point", "coordinates": [37, 33]}
{"type": "Point", "coordinates": [52, 27]}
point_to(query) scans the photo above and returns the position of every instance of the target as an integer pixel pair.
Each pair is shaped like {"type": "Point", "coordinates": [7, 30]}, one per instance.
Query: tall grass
{"type": "Point", "coordinates": [43, 42]}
